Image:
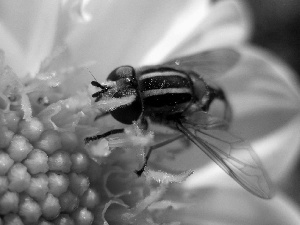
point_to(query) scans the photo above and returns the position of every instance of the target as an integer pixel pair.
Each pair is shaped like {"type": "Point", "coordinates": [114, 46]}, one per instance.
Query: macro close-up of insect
{"type": "Point", "coordinates": [149, 112]}
{"type": "Point", "coordinates": [178, 94]}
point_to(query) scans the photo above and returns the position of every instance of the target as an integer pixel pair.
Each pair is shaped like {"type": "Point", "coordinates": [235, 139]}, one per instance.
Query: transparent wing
{"type": "Point", "coordinates": [235, 156]}
{"type": "Point", "coordinates": [207, 64]}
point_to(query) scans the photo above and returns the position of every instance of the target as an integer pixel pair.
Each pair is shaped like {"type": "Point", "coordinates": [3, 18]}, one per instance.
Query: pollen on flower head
{"type": "Point", "coordinates": [37, 160]}
{"type": "Point", "coordinates": [19, 178]}
{"type": "Point", "coordinates": [49, 141]}
{"type": "Point", "coordinates": [6, 136]}
{"type": "Point", "coordinates": [57, 183]}
{"type": "Point", "coordinates": [19, 148]}
{"type": "Point", "coordinates": [5, 163]}
{"type": "Point", "coordinates": [83, 216]}
{"type": "Point", "coordinates": [9, 203]}
{"type": "Point", "coordinates": [60, 161]}
{"type": "Point", "coordinates": [29, 210]}
{"type": "Point", "coordinates": [68, 201]}
{"type": "Point", "coordinates": [31, 129]}
{"type": "Point", "coordinates": [3, 184]}
{"type": "Point", "coordinates": [38, 187]}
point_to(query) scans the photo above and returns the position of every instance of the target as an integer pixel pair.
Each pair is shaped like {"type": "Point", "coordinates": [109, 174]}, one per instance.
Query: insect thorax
{"type": "Point", "coordinates": [165, 91]}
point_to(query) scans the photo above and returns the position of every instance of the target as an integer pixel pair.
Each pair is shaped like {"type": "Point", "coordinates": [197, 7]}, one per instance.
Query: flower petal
{"type": "Point", "coordinates": [11, 45]}
{"type": "Point", "coordinates": [233, 207]}
{"type": "Point", "coordinates": [36, 41]}
{"type": "Point", "coordinates": [227, 23]}
{"type": "Point", "coordinates": [123, 32]}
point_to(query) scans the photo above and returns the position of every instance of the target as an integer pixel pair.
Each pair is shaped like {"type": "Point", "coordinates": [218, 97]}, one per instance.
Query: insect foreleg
{"type": "Point", "coordinates": [153, 147]}
{"type": "Point", "coordinates": [101, 115]}
{"type": "Point", "coordinates": [96, 137]}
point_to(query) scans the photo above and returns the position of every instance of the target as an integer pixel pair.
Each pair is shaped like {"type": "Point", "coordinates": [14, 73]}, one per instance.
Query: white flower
{"type": "Point", "coordinates": [261, 89]}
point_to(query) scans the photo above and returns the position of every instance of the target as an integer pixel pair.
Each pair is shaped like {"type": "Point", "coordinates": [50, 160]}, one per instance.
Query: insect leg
{"type": "Point", "coordinates": [101, 115]}
{"type": "Point", "coordinates": [153, 147]}
{"type": "Point", "coordinates": [96, 137]}
{"type": "Point", "coordinates": [217, 93]}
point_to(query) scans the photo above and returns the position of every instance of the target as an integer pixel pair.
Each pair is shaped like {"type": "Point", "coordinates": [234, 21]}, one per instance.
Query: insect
{"type": "Point", "coordinates": [178, 94]}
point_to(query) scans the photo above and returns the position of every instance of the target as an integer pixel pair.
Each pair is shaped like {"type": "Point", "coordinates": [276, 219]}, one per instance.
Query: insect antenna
{"type": "Point", "coordinates": [95, 83]}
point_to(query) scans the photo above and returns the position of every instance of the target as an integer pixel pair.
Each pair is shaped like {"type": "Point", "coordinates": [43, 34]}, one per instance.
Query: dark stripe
{"type": "Point", "coordinates": [162, 82]}
{"type": "Point", "coordinates": [170, 99]}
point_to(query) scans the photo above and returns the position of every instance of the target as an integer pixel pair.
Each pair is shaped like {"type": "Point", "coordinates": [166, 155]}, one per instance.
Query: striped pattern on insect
{"type": "Point", "coordinates": [178, 95]}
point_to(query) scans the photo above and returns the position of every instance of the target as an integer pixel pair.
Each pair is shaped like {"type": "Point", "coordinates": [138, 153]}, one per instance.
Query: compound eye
{"type": "Point", "coordinates": [121, 72]}
{"type": "Point", "coordinates": [126, 114]}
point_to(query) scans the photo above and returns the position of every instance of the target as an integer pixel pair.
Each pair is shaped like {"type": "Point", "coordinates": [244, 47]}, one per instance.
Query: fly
{"type": "Point", "coordinates": [178, 94]}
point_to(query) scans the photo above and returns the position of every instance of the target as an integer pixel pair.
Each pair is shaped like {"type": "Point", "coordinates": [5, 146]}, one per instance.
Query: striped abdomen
{"type": "Point", "coordinates": [165, 90]}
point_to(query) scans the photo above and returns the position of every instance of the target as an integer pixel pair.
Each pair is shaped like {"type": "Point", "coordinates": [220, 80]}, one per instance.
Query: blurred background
{"type": "Point", "coordinates": [277, 28]}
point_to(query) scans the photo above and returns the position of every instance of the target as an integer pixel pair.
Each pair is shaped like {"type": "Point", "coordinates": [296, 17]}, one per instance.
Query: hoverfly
{"type": "Point", "coordinates": [177, 94]}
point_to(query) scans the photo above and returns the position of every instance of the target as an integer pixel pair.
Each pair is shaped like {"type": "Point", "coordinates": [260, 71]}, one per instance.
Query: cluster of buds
{"type": "Point", "coordinates": [43, 175]}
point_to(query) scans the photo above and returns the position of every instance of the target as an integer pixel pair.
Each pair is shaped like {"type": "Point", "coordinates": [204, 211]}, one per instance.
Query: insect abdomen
{"type": "Point", "coordinates": [165, 89]}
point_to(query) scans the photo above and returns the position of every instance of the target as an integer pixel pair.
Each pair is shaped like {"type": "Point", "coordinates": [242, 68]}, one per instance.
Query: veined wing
{"type": "Point", "coordinates": [234, 156]}
{"type": "Point", "coordinates": [207, 64]}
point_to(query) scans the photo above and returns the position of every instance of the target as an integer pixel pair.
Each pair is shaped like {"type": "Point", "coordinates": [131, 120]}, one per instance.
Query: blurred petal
{"type": "Point", "coordinates": [33, 27]}
{"type": "Point", "coordinates": [265, 101]}
{"type": "Point", "coordinates": [227, 23]}
{"type": "Point", "coordinates": [234, 207]}
{"type": "Point", "coordinates": [188, 22]}
{"type": "Point", "coordinates": [123, 32]}
{"type": "Point", "coordinates": [11, 45]}
{"type": "Point", "coordinates": [78, 10]}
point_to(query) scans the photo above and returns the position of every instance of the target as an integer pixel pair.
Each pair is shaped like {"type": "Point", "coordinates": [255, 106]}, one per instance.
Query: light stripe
{"type": "Point", "coordinates": [154, 92]}
{"type": "Point", "coordinates": [109, 104]}
{"type": "Point", "coordinates": [161, 74]}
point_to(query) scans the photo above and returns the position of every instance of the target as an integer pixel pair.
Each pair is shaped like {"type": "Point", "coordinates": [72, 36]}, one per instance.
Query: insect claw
{"type": "Point", "coordinates": [87, 140]}
{"type": "Point", "coordinates": [140, 171]}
